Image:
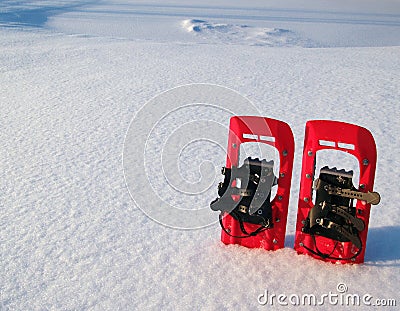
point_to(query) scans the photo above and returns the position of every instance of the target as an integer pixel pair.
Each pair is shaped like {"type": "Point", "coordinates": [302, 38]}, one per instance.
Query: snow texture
{"type": "Point", "coordinates": [73, 74]}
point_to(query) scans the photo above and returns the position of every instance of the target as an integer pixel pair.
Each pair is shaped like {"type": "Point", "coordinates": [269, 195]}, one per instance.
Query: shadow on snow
{"type": "Point", "coordinates": [24, 14]}
{"type": "Point", "coordinates": [382, 245]}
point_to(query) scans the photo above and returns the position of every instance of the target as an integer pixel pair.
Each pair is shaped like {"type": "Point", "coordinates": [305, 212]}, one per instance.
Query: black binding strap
{"type": "Point", "coordinates": [251, 202]}
{"type": "Point", "coordinates": [333, 216]}
{"type": "Point", "coordinates": [329, 256]}
{"type": "Point", "coordinates": [241, 224]}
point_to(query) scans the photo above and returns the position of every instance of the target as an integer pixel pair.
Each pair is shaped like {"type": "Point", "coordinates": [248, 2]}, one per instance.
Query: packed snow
{"type": "Point", "coordinates": [74, 74]}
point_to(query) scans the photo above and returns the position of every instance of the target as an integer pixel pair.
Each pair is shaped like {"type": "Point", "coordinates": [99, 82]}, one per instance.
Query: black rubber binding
{"type": "Point", "coordinates": [245, 194]}
{"type": "Point", "coordinates": [334, 216]}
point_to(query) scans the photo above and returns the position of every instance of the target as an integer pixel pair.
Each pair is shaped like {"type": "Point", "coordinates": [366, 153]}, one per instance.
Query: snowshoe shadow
{"type": "Point", "coordinates": [383, 245]}
{"type": "Point", "coordinates": [289, 240]}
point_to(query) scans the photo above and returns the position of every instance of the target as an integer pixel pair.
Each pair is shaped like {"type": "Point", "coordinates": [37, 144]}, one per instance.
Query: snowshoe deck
{"type": "Point", "coordinates": [248, 215]}
{"type": "Point", "coordinates": [333, 229]}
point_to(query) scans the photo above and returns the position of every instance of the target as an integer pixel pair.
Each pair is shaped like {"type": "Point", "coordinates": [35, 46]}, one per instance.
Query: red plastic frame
{"type": "Point", "coordinates": [279, 135]}
{"type": "Point", "coordinates": [345, 137]}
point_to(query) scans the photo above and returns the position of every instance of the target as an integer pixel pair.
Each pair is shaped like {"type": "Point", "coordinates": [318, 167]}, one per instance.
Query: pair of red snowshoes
{"type": "Point", "coordinates": [329, 226]}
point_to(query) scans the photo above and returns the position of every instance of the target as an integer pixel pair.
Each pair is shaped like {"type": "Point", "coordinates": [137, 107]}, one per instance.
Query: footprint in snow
{"type": "Point", "coordinates": [244, 34]}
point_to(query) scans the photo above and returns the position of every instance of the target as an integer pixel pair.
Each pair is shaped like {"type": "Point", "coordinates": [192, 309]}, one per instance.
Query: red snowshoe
{"type": "Point", "coordinates": [332, 228]}
{"type": "Point", "coordinates": [248, 215]}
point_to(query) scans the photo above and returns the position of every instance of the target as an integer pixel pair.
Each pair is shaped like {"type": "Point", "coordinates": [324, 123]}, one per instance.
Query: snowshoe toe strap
{"type": "Point", "coordinates": [340, 230]}
{"type": "Point", "coordinates": [356, 222]}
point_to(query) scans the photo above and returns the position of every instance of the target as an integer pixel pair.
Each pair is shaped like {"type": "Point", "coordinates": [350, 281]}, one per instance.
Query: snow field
{"type": "Point", "coordinates": [70, 235]}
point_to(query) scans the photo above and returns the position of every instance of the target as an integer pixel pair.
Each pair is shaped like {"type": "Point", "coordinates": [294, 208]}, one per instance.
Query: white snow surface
{"type": "Point", "coordinates": [73, 74]}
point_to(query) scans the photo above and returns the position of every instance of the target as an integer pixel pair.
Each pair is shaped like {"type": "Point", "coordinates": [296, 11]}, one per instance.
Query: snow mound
{"type": "Point", "coordinates": [245, 34]}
